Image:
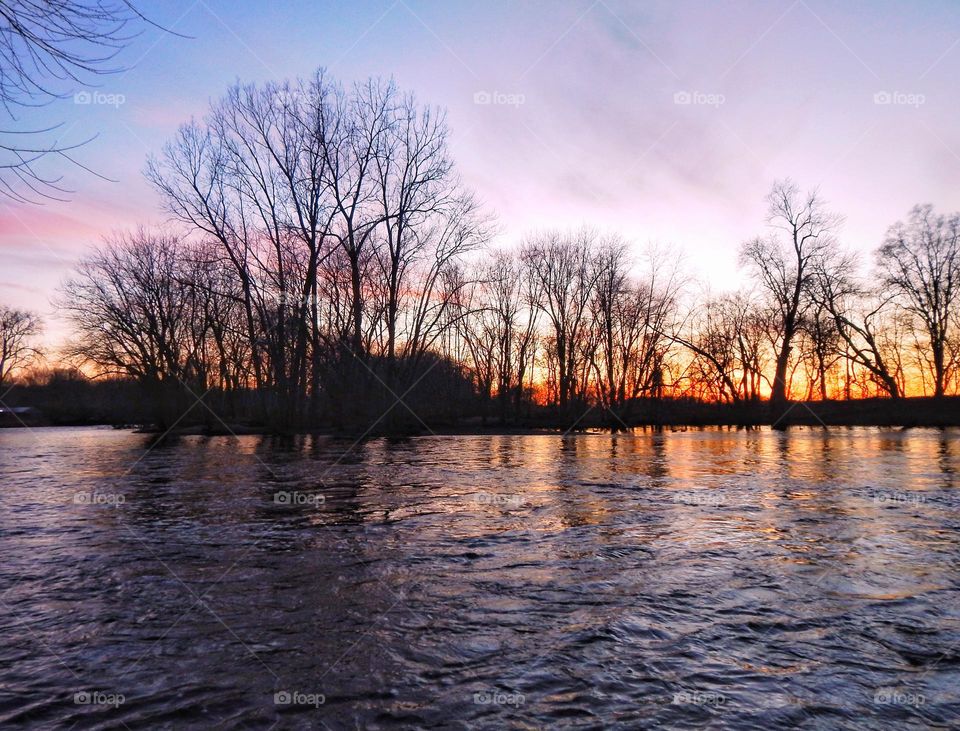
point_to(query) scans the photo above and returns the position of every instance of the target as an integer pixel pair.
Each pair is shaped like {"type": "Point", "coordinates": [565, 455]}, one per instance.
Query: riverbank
{"type": "Point", "coordinates": [911, 412]}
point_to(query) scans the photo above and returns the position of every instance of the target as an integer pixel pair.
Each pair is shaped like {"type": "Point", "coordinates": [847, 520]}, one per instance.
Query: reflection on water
{"type": "Point", "coordinates": [742, 579]}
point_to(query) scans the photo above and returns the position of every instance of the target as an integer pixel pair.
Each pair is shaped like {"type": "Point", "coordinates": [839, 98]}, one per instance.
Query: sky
{"type": "Point", "coordinates": [664, 121]}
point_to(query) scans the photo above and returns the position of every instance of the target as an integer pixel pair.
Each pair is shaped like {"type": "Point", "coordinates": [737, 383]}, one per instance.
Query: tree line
{"type": "Point", "coordinates": [324, 263]}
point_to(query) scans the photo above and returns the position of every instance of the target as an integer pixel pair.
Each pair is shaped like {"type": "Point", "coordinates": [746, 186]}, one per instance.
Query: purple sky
{"type": "Point", "coordinates": [588, 123]}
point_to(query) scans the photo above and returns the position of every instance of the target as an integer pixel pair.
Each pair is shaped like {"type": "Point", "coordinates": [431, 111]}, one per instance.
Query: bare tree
{"type": "Point", "coordinates": [253, 178]}
{"type": "Point", "coordinates": [415, 179]}
{"type": "Point", "coordinates": [920, 263]}
{"type": "Point", "coordinates": [342, 219]}
{"type": "Point", "coordinates": [500, 328]}
{"type": "Point", "coordinates": [784, 264]}
{"type": "Point", "coordinates": [858, 317]}
{"type": "Point", "coordinates": [477, 326]}
{"type": "Point", "coordinates": [607, 302]}
{"type": "Point", "coordinates": [356, 140]}
{"type": "Point", "coordinates": [217, 352]}
{"type": "Point", "coordinates": [504, 278]}
{"type": "Point", "coordinates": [630, 320]}
{"type": "Point", "coordinates": [712, 332]}
{"type": "Point", "coordinates": [749, 322]}
{"type": "Point", "coordinates": [562, 266]}
{"type": "Point", "coordinates": [127, 307]}
{"type": "Point", "coordinates": [130, 307]}
{"type": "Point", "coordinates": [18, 330]}
{"type": "Point", "coordinates": [452, 232]}
{"type": "Point", "coordinates": [819, 349]}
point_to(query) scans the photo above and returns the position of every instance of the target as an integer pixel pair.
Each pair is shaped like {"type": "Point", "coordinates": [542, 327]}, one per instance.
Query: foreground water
{"type": "Point", "coordinates": [742, 579]}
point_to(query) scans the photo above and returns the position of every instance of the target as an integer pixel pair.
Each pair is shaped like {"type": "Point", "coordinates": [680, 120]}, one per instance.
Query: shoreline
{"type": "Point", "coordinates": [513, 432]}
{"type": "Point", "coordinates": [914, 412]}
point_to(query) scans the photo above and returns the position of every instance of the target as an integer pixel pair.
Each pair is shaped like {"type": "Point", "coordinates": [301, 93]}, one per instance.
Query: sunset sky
{"type": "Point", "coordinates": [665, 121]}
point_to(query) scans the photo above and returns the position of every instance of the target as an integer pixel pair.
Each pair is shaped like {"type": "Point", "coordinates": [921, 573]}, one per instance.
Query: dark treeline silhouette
{"type": "Point", "coordinates": [316, 263]}
{"type": "Point", "coordinates": [325, 268]}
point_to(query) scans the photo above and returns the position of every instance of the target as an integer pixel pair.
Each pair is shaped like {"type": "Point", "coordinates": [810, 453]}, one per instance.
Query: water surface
{"type": "Point", "coordinates": [741, 579]}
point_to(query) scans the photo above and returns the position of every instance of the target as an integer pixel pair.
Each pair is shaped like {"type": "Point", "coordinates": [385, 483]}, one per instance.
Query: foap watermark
{"type": "Point", "coordinates": [289, 98]}
{"type": "Point", "coordinates": [905, 499]}
{"type": "Point", "coordinates": [699, 698]}
{"type": "Point", "coordinates": [295, 497]}
{"type": "Point", "coordinates": [298, 698]}
{"type": "Point", "coordinates": [98, 698]}
{"type": "Point", "coordinates": [898, 697]}
{"type": "Point", "coordinates": [701, 498]}
{"type": "Point", "coordinates": [899, 99]}
{"type": "Point", "coordinates": [498, 698]}
{"type": "Point", "coordinates": [291, 300]}
{"type": "Point", "coordinates": [508, 500]}
{"type": "Point", "coordinates": [99, 498]}
{"type": "Point", "coordinates": [99, 98]}
{"type": "Point", "coordinates": [699, 99]}
{"type": "Point", "coordinates": [498, 98]}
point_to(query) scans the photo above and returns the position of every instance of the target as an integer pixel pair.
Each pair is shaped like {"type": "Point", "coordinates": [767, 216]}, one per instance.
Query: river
{"type": "Point", "coordinates": [692, 578]}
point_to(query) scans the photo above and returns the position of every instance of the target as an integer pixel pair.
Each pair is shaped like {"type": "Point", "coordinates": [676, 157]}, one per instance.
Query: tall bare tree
{"type": "Point", "coordinates": [414, 173]}
{"type": "Point", "coordinates": [630, 318]}
{"type": "Point", "coordinates": [858, 317]}
{"type": "Point", "coordinates": [784, 264]}
{"type": "Point", "coordinates": [561, 264]}
{"type": "Point", "coordinates": [253, 177]}
{"type": "Point", "coordinates": [357, 139]}
{"type": "Point", "coordinates": [920, 263]}
{"type": "Point", "coordinates": [18, 332]}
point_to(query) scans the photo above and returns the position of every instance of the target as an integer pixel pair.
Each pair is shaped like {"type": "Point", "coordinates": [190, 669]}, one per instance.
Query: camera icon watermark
{"type": "Point", "coordinates": [295, 497]}
{"type": "Point", "coordinates": [898, 697]}
{"type": "Point", "coordinates": [98, 698]}
{"type": "Point", "coordinates": [700, 498]}
{"type": "Point", "coordinates": [899, 99]}
{"type": "Point", "coordinates": [99, 98]}
{"type": "Point", "coordinates": [905, 499]}
{"type": "Point", "coordinates": [291, 301]}
{"type": "Point", "coordinates": [113, 499]}
{"type": "Point", "coordinates": [498, 698]}
{"type": "Point", "coordinates": [498, 98]}
{"type": "Point", "coordinates": [298, 698]}
{"type": "Point", "coordinates": [699, 98]}
{"type": "Point", "coordinates": [508, 500]}
{"type": "Point", "coordinates": [289, 98]}
{"type": "Point", "coordinates": [699, 698]}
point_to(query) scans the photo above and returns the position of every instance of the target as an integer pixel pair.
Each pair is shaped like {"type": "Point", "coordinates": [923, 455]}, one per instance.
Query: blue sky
{"type": "Point", "coordinates": [666, 121]}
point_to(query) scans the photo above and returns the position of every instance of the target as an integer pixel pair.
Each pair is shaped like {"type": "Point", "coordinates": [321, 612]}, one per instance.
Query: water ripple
{"type": "Point", "coordinates": [700, 578]}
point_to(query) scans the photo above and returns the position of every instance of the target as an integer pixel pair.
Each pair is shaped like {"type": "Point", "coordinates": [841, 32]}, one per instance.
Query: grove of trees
{"type": "Point", "coordinates": [325, 264]}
